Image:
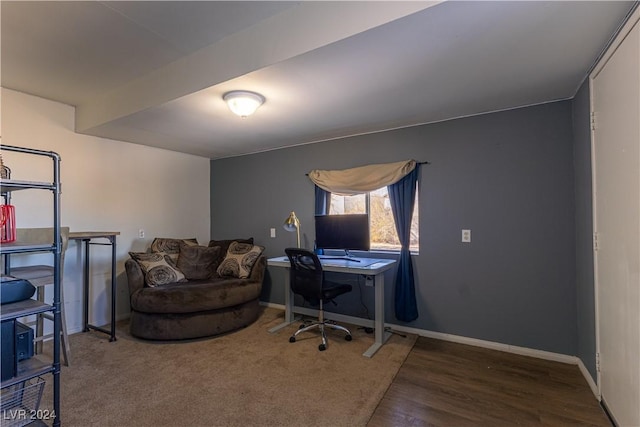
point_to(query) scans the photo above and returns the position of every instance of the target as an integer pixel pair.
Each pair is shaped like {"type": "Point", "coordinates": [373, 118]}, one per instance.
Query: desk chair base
{"type": "Point", "coordinates": [321, 326]}
{"type": "Point", "coordinates": [307, 279]}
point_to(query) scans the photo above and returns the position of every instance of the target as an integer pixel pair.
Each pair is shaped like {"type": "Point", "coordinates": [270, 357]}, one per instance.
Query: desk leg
{"type": "Point", "coordinates": [381, 336]}
{"type": "Point", "coordinates": [87, 326]}
{"type": "Point", "coordinates": [85, 283]}
{"type": "Point", "coordinates": [113, 288]}
{"type": "Point", "coordinates": [288, 305]}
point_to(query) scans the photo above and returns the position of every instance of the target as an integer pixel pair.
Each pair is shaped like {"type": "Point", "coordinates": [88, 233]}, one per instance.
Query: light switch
{"type": "Point", "coordinates": [273, 232]}
{"type": "Point", "coordinates": [466, 236]}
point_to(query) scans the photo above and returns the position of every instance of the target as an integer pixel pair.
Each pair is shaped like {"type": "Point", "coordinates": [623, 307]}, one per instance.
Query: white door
{"type": "Point", "coordinates": [615, 90]}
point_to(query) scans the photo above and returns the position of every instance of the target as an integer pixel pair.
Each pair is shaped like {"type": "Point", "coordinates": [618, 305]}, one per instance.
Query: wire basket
{"type": "Point", "coordinates": [5, 172]}
{"type": "Point", "coordinates": [19, 403]}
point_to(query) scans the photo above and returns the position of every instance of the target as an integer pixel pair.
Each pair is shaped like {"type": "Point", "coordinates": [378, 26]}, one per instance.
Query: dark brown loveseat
{"type": "Point", "coordinates": [194, 308]}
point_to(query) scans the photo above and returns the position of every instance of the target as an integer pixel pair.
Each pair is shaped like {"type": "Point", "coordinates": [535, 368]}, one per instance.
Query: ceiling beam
{"type": "Point", "coordinates": [297, 30]}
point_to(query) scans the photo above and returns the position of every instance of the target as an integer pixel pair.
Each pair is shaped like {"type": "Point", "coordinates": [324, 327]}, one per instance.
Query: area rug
{"type": "Point", "coordinates": [246, 378]}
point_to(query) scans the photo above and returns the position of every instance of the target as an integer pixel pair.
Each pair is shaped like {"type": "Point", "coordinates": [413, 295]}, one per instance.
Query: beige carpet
{"type": "Point", "coordinates": [246, 378]}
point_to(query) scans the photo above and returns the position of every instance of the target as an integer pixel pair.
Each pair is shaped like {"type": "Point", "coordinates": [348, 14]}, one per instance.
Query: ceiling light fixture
{"type": "Point", "coordinates": [242, 102]}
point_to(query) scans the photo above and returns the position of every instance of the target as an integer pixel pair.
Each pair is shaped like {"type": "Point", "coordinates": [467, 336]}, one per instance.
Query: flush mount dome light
{"type": "Point", "coordinates": [243, 103]}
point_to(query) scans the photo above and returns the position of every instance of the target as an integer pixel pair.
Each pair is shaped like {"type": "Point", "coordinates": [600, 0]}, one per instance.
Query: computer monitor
{"type": "Point", "coordinates": [345, 232]}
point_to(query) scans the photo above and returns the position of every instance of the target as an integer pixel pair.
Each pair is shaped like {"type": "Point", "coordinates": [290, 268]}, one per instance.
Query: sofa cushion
{"type": "Point", "coordinates": [171, 246]}
{"type": "Point", "coordinates": [239, 260]}
{"type": "Point", "coordinates": [158, 268]}
{"type": "Point", "coordinates": [198, 262]}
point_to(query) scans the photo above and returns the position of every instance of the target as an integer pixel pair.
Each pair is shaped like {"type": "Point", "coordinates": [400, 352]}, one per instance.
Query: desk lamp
{"type": "Point", "coordinates": [293, 223]}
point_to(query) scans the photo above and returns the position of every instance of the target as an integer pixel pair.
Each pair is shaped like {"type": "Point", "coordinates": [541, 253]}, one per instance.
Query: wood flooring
{"type": "Point", "coordinates": [454, 385]}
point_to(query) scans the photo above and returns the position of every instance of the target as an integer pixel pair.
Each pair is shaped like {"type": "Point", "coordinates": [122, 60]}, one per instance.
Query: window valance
{"type": "Point", "coordinates": [362, 179]}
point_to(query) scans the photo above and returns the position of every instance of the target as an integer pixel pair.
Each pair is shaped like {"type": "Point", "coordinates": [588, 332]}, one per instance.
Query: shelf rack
{"type": "Point", "coordinates": [36, 366]}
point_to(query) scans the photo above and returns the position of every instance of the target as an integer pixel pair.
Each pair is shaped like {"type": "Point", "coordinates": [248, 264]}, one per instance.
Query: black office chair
{"type": "Point", "coordinates": [307, 279]}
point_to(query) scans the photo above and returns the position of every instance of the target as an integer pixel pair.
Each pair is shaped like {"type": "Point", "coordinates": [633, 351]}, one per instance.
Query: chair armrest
{"type": "Point", "coordinates": [135, 276]}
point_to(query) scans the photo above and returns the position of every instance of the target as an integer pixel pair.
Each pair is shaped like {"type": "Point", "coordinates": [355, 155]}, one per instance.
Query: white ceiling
{"type": "Point", "coordinates": [154, 72]}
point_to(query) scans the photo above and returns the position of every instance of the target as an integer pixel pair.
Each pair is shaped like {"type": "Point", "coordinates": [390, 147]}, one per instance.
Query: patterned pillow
{"type": "Point", "coordinates": [170, 246]}
{"type": "Point", "coordinates": [239, 260]}
{"type": "Point", "coordinates": [158, 268]}
{"type": "Point", "coordinates": [198, 262]}
{"type": "Point", "coordinates": [224, 246]}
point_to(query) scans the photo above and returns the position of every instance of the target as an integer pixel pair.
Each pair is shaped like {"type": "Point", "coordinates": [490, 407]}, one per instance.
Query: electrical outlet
{"type": "Point", "coordinates": [466, 236]}
{"type": "Point", "coordinates": [141, 233]}
{"type": "Point", "coordinates": [273, 232]}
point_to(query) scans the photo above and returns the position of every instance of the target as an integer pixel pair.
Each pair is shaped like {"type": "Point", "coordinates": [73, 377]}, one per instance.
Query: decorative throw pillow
{"type": "Point", "coordinates": [239, 260]}
{"type": "Point", "coordinates": [170, 246]}
{"type": "Point", "coordinates": [198, 262]}
{"type": "Point", "coordinates": [224, 246]}
{"type": "Point", "coordinates": [158, 268]}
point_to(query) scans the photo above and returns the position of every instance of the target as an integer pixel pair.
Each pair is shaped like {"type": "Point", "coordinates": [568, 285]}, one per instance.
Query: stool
{"type": "Point", "coordinates": [41, 276]}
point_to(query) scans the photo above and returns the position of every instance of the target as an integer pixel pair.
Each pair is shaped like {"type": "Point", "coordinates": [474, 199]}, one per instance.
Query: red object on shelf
{"type": "Point", "coordinates": [7, 223]}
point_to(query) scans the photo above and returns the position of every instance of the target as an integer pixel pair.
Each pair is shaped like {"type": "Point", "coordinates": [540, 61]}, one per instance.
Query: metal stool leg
{"type": "Point", "coordinates": [66, 349]}
{"type": "Point", "coordinates": [39, 321]}
{"type": "Point", "coordinates": [39, 338]}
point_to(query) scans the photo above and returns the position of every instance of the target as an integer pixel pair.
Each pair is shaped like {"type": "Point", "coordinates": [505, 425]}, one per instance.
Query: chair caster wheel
{"type": "Point", "coordinates": [292, 339]}
{"type": "Point", "coordinates": [348, 337]}
{"type": "Point", "coordinates": [322, 347]}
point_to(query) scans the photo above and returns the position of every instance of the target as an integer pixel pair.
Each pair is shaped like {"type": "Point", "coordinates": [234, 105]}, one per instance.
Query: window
{"type": "Point", "coordinates": [382, 226]}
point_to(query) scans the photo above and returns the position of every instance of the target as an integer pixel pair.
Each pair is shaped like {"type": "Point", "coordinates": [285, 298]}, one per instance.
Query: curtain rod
{"type": "Point", "coordinates": [420, 163]}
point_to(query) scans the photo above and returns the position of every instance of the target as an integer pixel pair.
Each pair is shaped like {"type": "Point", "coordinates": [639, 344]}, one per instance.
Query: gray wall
{"type": "Point", "coordinates": [507, 176]}
{"type": "Point", "coordinates": [585, 299]}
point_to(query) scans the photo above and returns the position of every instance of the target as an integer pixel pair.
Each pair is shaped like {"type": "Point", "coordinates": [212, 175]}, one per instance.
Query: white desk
{"type": "Point", "coordinates": [368, 266]}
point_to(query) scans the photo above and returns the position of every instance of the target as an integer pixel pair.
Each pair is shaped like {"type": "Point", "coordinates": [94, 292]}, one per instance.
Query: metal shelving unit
{"type": "Point", "coordinates": [36, 366]}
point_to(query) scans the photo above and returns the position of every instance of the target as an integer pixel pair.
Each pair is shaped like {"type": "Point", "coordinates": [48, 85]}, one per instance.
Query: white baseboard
{"type": "Point", "coordinates": [119, 316]}
{"type": "Point", "coordinates": [587, 376]}
{"type": "Point", "coordinates": [272, 305]}
{"type": "Point", "coordinates": [523, 351]}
